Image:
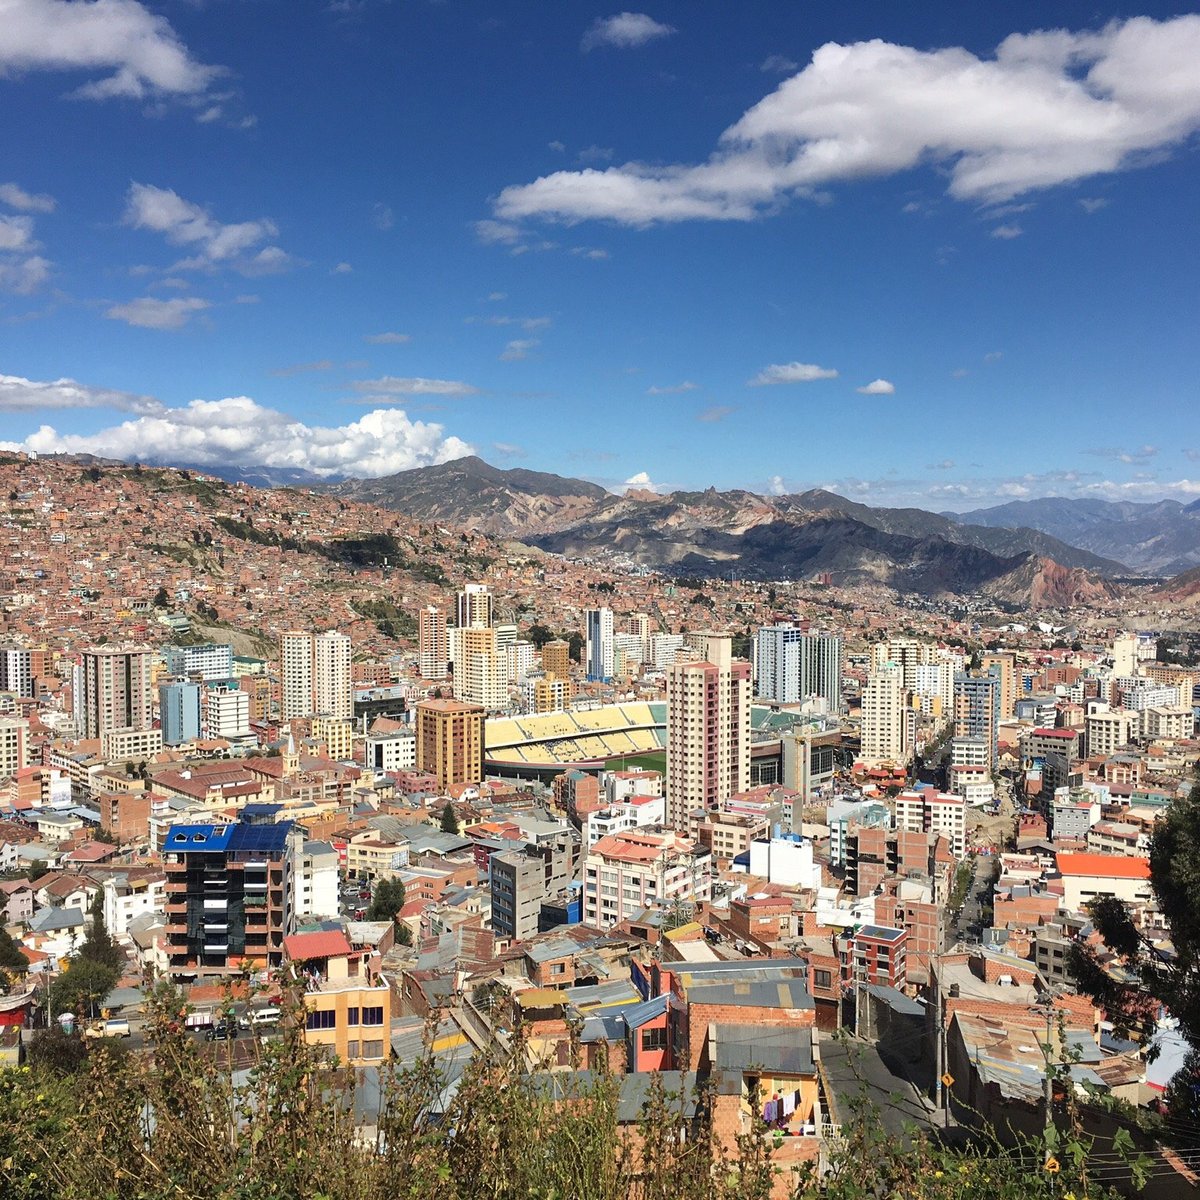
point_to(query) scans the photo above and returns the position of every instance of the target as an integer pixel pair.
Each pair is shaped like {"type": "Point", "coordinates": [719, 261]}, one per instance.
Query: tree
{"type": "Point", "coordinates": [387, 901]}
{"type": "Point", "coordinates": [575, 646]}
{"type": "Point", "coordinates": [11, 958]}
{"type": "Point", "coordinates": [57, 1052]}
{"type": "Point", "coordinates": [1172, 979]}
{"type": "Point", "coordinates": [449, 820]}
{"type": "Point", "coordinates": [98, 947]}
{"type": "Point", "coordinates": [82, 986]}
{"type": "Point", "coordinates": [161, 599]}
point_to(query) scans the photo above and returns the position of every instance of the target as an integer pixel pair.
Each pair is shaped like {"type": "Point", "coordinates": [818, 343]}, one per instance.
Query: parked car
{"type": "Point", "coordinates": [113, 1027]}
{"type": "Point", "coordinates": [222, 1031]}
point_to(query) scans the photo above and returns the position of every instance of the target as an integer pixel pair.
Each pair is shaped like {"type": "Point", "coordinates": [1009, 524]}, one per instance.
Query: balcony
{"type": "Point", "coordinates": [254, 901]}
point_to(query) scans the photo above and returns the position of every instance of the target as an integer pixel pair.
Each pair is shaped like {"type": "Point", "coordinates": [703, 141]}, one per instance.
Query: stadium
{"type": "Point", "coordinates": [612, 736]}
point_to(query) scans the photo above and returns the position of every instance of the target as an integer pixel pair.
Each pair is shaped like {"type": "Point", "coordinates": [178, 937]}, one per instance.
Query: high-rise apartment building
{"type": "Point", "coordinates": [227, 713]}
{"type": "Point", "coordinates": [433, 644]}
{"type": "Point", "coordinates": [14, 746]}
{"type": "Point", "coordinates": [475, 610]}
{"type": "Point", "coordinates": [450, 741]}
{"type": "Point", "coordinates": [230, 895]}
{"type": "Point", "coordinates": [1003, 664]}
{"type": "Point", "coordinates": [480, 672]}
{"type": "Point", "coordinates": [792, 666]}
{"type": "Point", "coordinates": [556, 658]}
{"type": "Point", "coordinates": [19, 667]}
{"type": "Point", "coordinates": [315, 675]}
{"type": "Point", "coordinates": [977, 711]}
{"type": "Point", "coordinates": [179, 711]}
{"type": "Point", "coordinates": [600, 647]}
{"type": "Point", "coordinates": [885, 718]}
{"type": "Point", "coordinates": [208, 663]}
{"type": "Point", "coordinates": [113, 690]}
{"type": "Point", "coordinates": [333, 688]}
{"type": "Point", "coordinates": [708, 730]}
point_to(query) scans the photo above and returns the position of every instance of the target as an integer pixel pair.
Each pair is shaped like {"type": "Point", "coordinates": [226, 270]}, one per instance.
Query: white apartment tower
{"type": "Point", "coordinates": [315, 674]}
{"type": "Point", "coordinates": [475, 606]}
{"type": "Point", "coordinates": [708, 730]}
{"type": "Point", "coordinates": [113, 690]}
{"type": "Point", "coordinates": [601, 648]}
{"type": "Point", "coordinates": [433, 643]}
{"type": "Point", "coordinates": [885, 718]}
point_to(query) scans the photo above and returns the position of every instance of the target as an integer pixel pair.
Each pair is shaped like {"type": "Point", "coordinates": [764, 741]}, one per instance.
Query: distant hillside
{"type": "Point", "coordinates": [472, 493]}
{"type": "Point", "coordinates": [714, 532]}
{"type": "Point", "coordinates": [1161, 538]}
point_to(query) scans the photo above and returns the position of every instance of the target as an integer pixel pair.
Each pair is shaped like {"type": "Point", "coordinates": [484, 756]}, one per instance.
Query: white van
{"type": "Point", "coordinates": [256, 1018]}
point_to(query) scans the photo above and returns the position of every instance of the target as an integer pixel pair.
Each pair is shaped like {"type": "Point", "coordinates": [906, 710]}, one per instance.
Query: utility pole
{"type": "Point", "coordinates": [939, 1068]}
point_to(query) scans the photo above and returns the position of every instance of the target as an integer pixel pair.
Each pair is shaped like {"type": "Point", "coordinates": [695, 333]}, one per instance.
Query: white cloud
{"type": "Point", "coordinates": [594, 153]}
{"type": "Point", "coordinates": [1091, 204]}
{"type": "Point", "coordinates": [777, 64]}
{"type": "Point", "coordinates": [625, 31]}
{"type": "Point", "coordinates": [143, 53]}
{"type": "Point", "coordinates": [642, 483]}
{"type": "Point", "coordinates": [238, 430]}
{"type": "Point", "coordinates": [24, 275]}
{"type": "Point", "coordinates": [592, 252]}
{"type": "Point", "coordinates": [183, 223]}
{"type": "Point", "coordinates": [387, 339]}
{"type": "Point", "coordinates": [342, 268]}
{"type": "Point", "coordinates": [1048, 108]}
{"type": "Point", "coordinates": [16, 233]}
{"type": "Point", "coordinates": [1138, 454]}
{"type": "Point", "coordinates": [993, 356]}
{"type": "Point", "coordinates": [17, 197]}
{"type": "Point", "coordinates": [393, 385]}
{"type": "Point", "coordinates": [148, 312]}
{"type": "Point", "coordinates": [1007, 232]}
{"type": "Point", "coordinates": [519, 349]}
{"type": "Point", "coordinates": [29, 395]}
{"type": "Point", "coordinates": [777, 487]}
{"type": "Point", "coordinates": [382, 216]}
{"type": "Point", "coordinates": [496, 232]}
{"type": "Point", "coordinates": [878, 387]}
{"type": "Point", "coordinates": [793, 372]}
{"type": "Point", "coordinates": [497, 296]}
{"type": "Point", "coordinates": [714, 412]}
{"type": "Point", "coordinates": [673, 389]}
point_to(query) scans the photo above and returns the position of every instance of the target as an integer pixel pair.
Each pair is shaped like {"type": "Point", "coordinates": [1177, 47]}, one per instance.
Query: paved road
{"type": "Point", "coordinates": [856, 1072]}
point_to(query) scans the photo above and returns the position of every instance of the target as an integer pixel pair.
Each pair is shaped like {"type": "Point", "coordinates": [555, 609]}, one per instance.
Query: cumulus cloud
{"type": "Point", "coordinates": [182, 223]}
{"type": "Point", "coordinates": [387, 339]}
{"type": "Point", "coordinates": [673, 389]}
{"type": "Point", "coordinates": [30, 395]}
{"type": "Point", "coordinates": [776, 486]}
{"type": "Point", "coordinates": [149, 312]}
{"type": "Point", "coordinates": [519, 349]}
{"type": "Point", "coordinates": [641, 482]}
{"type": "Point", "coordinates": [793, 372]}
{"type": "Point", "coordinates": [394, 385]}
{"type": "Point", "coordinates": [238, 430]}
{"type": "Point", "coordinates": [17, 197]}
{"type": "Point", "coordinates": [625, 31]}
{"type": "Point", "coordinates": [1047, 108]}
{"type": "Point", "coordinates": [878, 387]}
{"type": "Point", "coordinates": [138, 53]}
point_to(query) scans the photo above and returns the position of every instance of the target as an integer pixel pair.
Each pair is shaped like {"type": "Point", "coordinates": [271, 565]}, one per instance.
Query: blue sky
{"type": "Point", "coordinates": [918, 254]}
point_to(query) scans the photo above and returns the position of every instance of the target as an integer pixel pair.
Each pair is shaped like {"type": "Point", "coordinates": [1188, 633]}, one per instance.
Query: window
{"type": "Point", "coordinates": [351, 1050]}
{"type": "Point", "coordinates": [352, 1016]}
{"type": "Point", "coordinates": [321, 1019]}
{"type": "Point", "coordinates": [654, 1039]}
{"type": "Point", "coordinates": [372, 1049]}
{"type": "Point", "coordinates": [822, 979]}
{"type": "Point", "coordinates": [558, 968]}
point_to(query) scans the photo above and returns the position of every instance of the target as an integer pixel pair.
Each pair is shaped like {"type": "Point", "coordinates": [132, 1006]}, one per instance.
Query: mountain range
{"type": "Point", "coordinates": [712, 532]}
{"type": "Point", "coordinates": [1161, 538]}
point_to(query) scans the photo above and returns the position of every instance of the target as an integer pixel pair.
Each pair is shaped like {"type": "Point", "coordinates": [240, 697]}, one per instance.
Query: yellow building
{"type": "Point", "coordinates": [347, 1002]}
{"type": "Point", "coordinates": [338, 736]}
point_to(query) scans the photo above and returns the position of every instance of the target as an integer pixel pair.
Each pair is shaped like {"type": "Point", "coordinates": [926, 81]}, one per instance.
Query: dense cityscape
{"type": "Point", "coordinates": [599, 604]}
